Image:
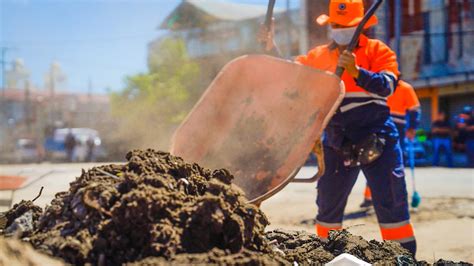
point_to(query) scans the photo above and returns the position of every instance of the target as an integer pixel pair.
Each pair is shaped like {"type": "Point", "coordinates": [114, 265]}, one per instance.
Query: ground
{"type": "Point", "coordinates": [444, 222]}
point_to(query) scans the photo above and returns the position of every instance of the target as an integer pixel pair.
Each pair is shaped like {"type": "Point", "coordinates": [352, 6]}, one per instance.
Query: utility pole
{"type": "Point", "coordinates": [89, 103]}
{"type": "Point", "coordinates": [52, 96]}
{"type": "Point", "coordinates": [288, 29]}
{"type": "Point", "coordinates": [4, 51]}
{"type": "Point", "coordinates": [398, 28]}
{"type": "Point", "coordinates": [4, 70]}
{"type": "Point", "coordinates": [28, 107]}
{"type": "Point", "coordinates": [303, 27]}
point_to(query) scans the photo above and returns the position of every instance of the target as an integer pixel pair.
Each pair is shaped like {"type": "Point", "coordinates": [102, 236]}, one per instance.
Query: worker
{"type": "Point", "coordinates": [441, 133]}
{"type": "Point", "coordinates": [362, 122]}
{"type": "Point", "coordinates": [405, 111]}
{"type": "Point", "coordinates": [470, 136]}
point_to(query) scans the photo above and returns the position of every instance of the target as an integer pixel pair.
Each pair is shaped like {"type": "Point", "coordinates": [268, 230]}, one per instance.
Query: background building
{"type": "Point", "coordinates": [433, 39]}
{"type": "Point", "coordinates": [33, 114]}
{"type": "Point", "coordinates": [217, 31]}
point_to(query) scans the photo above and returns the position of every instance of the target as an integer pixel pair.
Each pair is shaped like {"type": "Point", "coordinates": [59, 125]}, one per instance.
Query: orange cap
{"type": "Point", "coordinates": [347, 13]}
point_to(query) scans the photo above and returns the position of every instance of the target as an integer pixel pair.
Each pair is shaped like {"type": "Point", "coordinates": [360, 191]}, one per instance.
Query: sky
{"type": "Point", "coordinates": [101, 41]}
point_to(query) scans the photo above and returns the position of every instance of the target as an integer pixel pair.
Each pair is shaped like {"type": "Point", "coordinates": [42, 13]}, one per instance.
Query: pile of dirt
{"type": "Point", "coordinates": [156, 205]}
{"type": "Point", "coordinates": [159, 210]}
{"type": "Point", "coordinates": [308, 249]}
{"type": "Point", "coordinates": [16, 253]}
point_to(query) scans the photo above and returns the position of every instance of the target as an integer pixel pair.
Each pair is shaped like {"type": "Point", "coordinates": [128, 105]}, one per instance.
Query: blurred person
{"type": "Point", "coordinates": [405, 111]}
{"type": "Point", "coordinates": [470, 139]}
{"type": "Point", "coordinates": [459, 141]}
{"type": "Point", "coordinates": [90, 145]}
{"type": "Point", "coordinates": [69, 145]}
{"type": "Point", "coordinates": [363, 121]}
{"type": "Point", "coordinates": [441, 133]}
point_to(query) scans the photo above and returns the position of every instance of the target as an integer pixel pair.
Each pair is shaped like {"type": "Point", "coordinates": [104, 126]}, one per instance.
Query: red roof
{"type": "Point", "coordinates": [19, 95]}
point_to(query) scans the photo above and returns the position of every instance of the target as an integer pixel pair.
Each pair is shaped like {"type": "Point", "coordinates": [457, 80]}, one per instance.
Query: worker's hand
{"type": "Point", "coordinates": [410, 134]}
{"type": "Point", "coordinates": [265, 36]}
{"type": "Point", "coordinates": [347, 60]}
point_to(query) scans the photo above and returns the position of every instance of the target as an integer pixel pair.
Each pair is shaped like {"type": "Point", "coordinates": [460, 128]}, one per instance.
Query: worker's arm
{"type": "Point", "coordinates": [412, 105]}
{"type": "Point", "coordinates": [382, 83]}
{"type": "Point", "coordinates": [413, 120]}
{"type": "Point", "coordinates": [265, 37]}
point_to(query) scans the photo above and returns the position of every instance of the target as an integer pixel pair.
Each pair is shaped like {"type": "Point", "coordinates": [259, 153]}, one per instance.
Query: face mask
{"type": "Point", "coordinates": [342, 36]}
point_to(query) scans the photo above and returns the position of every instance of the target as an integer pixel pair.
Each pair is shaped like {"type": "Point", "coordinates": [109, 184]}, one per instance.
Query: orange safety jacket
{"type": "Point", "coordinates": [364, 109]}
{"type": "Point", "coordinates": [404, 102]}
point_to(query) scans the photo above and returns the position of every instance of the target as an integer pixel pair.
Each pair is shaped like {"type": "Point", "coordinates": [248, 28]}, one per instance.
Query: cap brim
{"type": "Point", "coordinates": [325, 19]}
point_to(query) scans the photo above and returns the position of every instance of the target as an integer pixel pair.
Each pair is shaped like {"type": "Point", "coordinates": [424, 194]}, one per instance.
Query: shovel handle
{"type": "Point", "coordinates": [268, 19]}
{"type": "Point", "coordinates": [358, 31]}
{"type": "Point", "coordinates": [269, 15]}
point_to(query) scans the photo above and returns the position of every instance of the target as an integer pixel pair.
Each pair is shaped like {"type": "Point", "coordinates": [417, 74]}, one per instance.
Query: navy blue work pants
{"type": "Point", "coordinates": [386, 179]}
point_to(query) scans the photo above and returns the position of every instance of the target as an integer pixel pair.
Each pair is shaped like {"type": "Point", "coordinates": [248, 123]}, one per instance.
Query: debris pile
{"type": "Point", "coordinates": [308, 249]}
{"type": "Point", "coordinates": [156, 205]}
{"type": "Point", "coordinates": [159, 210]}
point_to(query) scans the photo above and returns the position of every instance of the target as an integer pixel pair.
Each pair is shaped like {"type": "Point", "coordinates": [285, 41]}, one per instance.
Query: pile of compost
{"type": "Point", "coordinates": [159, 210]}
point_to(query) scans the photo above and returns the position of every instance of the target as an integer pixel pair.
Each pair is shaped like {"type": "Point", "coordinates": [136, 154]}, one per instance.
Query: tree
{"type": "Point", "coordinates": [19, 75]}
{"type": "Point", "coordinates": [153, 104]}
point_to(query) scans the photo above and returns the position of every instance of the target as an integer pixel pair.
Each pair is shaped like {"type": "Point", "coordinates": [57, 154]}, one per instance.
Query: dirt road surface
{"type": "Point", "coordinates": [444, 222]}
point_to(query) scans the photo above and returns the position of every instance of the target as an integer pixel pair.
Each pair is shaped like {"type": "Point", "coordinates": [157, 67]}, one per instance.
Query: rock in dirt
{"type": "Point", "coordinates": [156, 205]}
{"type": "Point", "coordinates": [16, 253]}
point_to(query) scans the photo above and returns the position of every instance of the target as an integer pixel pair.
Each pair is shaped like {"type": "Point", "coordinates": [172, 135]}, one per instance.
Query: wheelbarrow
{"type": "Point", "coordinates": [260, 118]}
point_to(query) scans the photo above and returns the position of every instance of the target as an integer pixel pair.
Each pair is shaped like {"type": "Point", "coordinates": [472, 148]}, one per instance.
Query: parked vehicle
{"type": "Point", "coordinates": [27, 151]}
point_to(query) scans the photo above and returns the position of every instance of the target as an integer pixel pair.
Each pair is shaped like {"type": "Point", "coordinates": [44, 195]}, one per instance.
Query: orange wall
{"type": "Point", "coordinates": [433, 94]}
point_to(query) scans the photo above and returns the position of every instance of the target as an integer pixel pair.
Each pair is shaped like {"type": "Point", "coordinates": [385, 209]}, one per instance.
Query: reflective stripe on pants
{"type": "Point", "coordinates": [322, 229]}
{"type": "Point", "coordinates": [401, 232]}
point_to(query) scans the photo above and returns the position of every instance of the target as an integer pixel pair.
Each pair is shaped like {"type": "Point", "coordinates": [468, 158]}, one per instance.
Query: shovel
{"type": "Point", "coordinates": [416, 198]}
